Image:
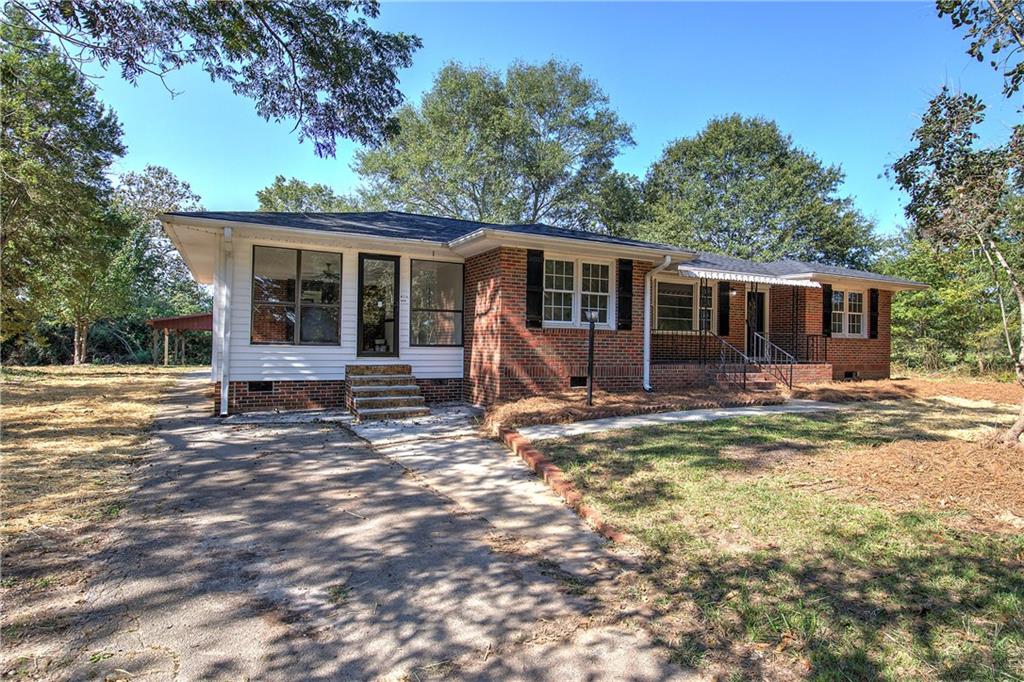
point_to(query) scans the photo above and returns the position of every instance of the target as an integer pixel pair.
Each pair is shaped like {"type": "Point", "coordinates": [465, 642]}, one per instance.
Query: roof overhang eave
{"type": "Point", "coordinates": [485, 239]}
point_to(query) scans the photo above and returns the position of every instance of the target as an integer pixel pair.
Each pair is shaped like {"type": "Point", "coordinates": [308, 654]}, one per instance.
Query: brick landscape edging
{"type": "Point", "coordinates": [551, 474]}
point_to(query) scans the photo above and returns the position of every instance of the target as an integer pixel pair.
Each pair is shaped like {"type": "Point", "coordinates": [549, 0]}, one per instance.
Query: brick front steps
{"type": "Point", "coordinates": [383, 392]}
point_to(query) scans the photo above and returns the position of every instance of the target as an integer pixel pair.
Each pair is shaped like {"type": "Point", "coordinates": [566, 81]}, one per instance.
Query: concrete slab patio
{"type": "Point", "coordinates": [288, 551]}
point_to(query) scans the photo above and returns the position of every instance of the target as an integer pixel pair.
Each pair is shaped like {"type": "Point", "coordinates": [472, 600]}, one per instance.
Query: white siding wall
{"type": "Point", "coordinates": [250, 362]}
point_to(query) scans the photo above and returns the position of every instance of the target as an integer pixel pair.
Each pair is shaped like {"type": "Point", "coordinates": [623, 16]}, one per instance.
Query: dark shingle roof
{"type": "Point", "coordinates": [795, 267]}
{"type": "Point", "coordinates": [398, 225]}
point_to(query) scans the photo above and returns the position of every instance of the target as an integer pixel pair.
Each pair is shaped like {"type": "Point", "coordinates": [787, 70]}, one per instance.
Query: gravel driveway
{"type": "Point", "coordinates": [296, 551]}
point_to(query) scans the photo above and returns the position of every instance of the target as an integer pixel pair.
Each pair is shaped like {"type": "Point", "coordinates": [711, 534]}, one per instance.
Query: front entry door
{"type": "Point", "coordinates": [755, 323]}
{"type": "Point", "coordinates": [378, 305]}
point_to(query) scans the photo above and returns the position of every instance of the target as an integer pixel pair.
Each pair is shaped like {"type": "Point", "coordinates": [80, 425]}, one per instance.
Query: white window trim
{"type": "Point", "coordinates": [696, 304]}
{"type": "Point", "coordinates": [577, 294]}
{"type": "Point", "coordinates": [865, 303]}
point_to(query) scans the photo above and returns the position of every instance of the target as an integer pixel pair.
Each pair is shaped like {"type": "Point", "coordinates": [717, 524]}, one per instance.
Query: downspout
{"type": "Point", "coordinates": [648, 278]}
{"type": "Point", "coordinates": [225, 348]}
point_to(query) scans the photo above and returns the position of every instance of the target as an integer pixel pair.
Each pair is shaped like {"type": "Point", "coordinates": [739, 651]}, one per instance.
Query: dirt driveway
{"type": "Point", "coordinates": [288, 551]}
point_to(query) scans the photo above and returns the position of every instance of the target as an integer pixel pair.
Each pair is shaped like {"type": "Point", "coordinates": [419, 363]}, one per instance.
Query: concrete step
{"type": "Point", "coordinates": [381, 380]}
{"type": "Point", "coordinates": [391, 413]}
{"type": "Point", "coordinates": [375, 391]}
{"type": "Point", "coordinates": [361, 403]}
{"type": "Point", "coordinates": [362, 370]}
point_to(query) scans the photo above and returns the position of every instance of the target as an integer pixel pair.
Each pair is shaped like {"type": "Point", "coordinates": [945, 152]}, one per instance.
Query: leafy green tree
{"type": "Point", "coordinates": [965, 196]}
{"type": "Point", "coordinates": [995, 29]}
{"type": "Point", "coordinates": [57, 142]}
{"type": "Point", "coordinates": [532, 146]}
{"type": "Point", "coordinates": [620, 204]}
{"type": "Point", "coordinates": [162, 283]}
{"type": "Point", "coordinates": [318, 63]}
{"type": "Point", "coordinates": [954, 322]}
{"type": "Point", "coordinates": [91, 281]}
{"type": "Point", "coordinates": [741, 187]}
{"type": "Point", "coordinates": [294, 195]}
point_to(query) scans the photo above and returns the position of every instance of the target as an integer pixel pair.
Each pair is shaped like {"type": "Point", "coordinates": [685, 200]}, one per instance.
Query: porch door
{"type": "Point", "coordinates": [378, 306]}
{"type": "Point", "coordinates": [755, 323]}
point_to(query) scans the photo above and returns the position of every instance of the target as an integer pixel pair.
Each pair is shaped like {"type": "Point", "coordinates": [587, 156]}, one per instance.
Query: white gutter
{"type": "Point", "coordinates": [225, 347]}
{"type": "Point", "coordinates": [647, 321]}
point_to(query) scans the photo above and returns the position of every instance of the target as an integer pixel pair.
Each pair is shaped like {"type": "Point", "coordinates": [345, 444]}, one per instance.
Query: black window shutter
{"type": "Point", "coordinates": [535, 288]}
{"type": "Point", "coordinates": [723, 308]}
{"type": "Point", "coordinates": [826, 310]}
{"type": "Point", "coordinates": [873, 313]}
{"type": "Point", "coordinates": [624, 295]}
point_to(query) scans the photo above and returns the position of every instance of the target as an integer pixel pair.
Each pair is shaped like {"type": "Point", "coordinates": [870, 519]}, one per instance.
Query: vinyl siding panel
{"type": "Point", "coordinates": [250, 362]}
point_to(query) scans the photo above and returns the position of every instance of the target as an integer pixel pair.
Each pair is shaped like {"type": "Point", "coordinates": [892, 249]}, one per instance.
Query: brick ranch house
{"type": "Point", "coordinates": [381, 311]}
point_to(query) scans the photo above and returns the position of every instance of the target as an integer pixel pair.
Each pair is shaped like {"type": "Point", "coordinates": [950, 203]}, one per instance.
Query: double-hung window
{"type": "Point", "coordinates": [838, 312]}
{"type": "Point", "coordinates": [574, 287]}
{"type": "Point", "coordinates": [435, 311]}
{"type": "Point", "coordinates": [855, 313]}
{"type": "Point", "coordinates": [594, 290]}
{"type": "Point", "coordinates": [559, 290]}
{"type": "Point", "coordinates": [296, 296]}
{"type": "Point", "coordinates": [847, 313]}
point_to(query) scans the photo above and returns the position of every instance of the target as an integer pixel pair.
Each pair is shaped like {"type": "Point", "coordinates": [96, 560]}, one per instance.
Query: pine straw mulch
{"type": "Point", "coordinates": [980, 482]}
{"type": "Point", "coordinates": [569, 407]}
{"type": "Point", "coordinates": [904, 388]}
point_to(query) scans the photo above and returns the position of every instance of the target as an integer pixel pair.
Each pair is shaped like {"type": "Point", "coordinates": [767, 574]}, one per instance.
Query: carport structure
{"type": "Point", "coordinates": [180, 325]}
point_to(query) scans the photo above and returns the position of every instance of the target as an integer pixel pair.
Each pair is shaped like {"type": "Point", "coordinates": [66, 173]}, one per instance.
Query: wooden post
{"type": "Point", "coordinates": [166, 340]}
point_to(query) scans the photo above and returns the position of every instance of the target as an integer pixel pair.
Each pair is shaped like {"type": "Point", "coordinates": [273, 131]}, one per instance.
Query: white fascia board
{"type": "Point", "coordinates": [859, 281]}
{"type": "Point", "coordinates": [486, 239]}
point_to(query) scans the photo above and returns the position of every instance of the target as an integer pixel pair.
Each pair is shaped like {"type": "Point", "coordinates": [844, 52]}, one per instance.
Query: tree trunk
{"type": "Point", "coordinates": [81, 334]}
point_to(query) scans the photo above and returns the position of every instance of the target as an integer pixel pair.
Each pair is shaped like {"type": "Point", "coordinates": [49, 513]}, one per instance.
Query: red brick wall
{"type": "Point", "coordinates": [440, 390]}
{"type": "Point", "coordinates": [505, 360]}
{"type": "Point", "coordinates": [870, 358]}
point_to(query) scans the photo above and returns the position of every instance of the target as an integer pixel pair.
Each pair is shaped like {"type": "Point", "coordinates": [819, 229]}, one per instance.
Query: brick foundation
{"type": "Point", "coordinates": [440, 390]}
{"type": "Point", "coordinates": [317, 395]}
{"type": "Point", "coordinates": [283, 395]}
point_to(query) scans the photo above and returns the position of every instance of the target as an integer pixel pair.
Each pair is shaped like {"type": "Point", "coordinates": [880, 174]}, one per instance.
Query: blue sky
{"type": "Point", "coordinates": [847, 81]}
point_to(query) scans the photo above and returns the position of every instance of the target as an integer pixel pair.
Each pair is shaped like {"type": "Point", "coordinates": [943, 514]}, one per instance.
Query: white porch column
{"type": "Point", "coordinates": [227, 270]}
{"type": "Point", "coordinates": [648, 278]}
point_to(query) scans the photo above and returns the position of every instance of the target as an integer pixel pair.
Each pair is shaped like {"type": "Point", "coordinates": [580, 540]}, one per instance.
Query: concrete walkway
{"type": "Point", "coordinates": [294, 551]}
{"type": "Point", "coordinates": [487, 481]}
{"type": "Point", "coordinates": [549, 431]}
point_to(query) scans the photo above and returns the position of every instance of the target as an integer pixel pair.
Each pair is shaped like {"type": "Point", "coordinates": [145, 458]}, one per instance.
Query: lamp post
{"type": "Point", "coordinates": [591, 317]}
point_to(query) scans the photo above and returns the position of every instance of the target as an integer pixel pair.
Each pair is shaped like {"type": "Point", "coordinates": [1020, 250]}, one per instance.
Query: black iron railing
{"type": "Point", "coordinates": [772, 359]}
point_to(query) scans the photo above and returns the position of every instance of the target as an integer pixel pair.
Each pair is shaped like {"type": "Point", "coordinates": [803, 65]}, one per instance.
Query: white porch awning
{"type": "Point", "coordinates": [749, 278]}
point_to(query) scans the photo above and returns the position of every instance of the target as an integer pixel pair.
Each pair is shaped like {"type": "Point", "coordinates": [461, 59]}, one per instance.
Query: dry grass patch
{"type": "Point", "coordinates": [70, 434]}
{"type": "Point", "coordinates": [569, 407]}
{"type": "Point", "coordinates": [903, 388]}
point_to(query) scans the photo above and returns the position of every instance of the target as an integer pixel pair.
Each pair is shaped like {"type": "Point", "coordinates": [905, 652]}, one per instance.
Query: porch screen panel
{"type": "Point", "coordinates": [435, 315]}
{"type": "Point", "coordinates": [675, 307]}
{"type": "Point", "coordinates": [274, 289]}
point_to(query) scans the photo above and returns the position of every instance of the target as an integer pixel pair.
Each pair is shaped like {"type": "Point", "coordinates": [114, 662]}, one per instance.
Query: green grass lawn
{"type": "Point", "coordinates": [798, 575]}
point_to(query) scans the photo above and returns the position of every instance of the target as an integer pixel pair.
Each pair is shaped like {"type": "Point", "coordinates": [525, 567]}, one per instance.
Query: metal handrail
{"type": "Point", "coordinates": [779, 362]}
{"type": "Point", "coordinates": [730, 356]}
